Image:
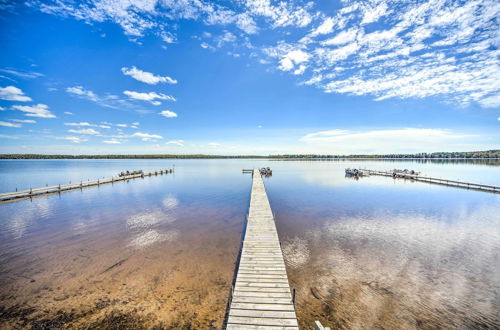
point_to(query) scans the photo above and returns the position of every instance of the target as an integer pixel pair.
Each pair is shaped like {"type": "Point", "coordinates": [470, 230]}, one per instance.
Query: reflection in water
{"type": "Point", "coordinates": [152, 236]}
{"type": "Point", "coordinates": [401, 271]}
{"type": "Point", "coordinates": [140, 225]}
{"type": "Point", "coordinates": [170, 202]}
{"type": "Point", "coordinates": [296, 252]}
{"type": "Point", "coordinates": [126, 255]}
{"type": "Point", "coordinates": [160, 252]}
{"type": "Point", "coordinates": [19, 220]}
{"type": "Point", "coordinates": [147, 220]}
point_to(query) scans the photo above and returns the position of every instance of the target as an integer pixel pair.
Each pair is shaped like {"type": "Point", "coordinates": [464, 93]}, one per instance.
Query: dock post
{"type": "Point", "coordinates": [31, 190]}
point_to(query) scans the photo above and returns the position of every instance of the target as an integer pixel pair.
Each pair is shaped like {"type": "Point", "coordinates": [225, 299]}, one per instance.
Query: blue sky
{"type": "Point", "coordinates": [249, 77]}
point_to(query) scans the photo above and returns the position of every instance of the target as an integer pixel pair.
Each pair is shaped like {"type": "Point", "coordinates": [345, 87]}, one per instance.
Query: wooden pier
{"type": "Point", "coordinates": [444, 182]}
{"type": "Point", "coordinates": [261, 296]}
{"type": "Point", "coordinates": [72, 186]}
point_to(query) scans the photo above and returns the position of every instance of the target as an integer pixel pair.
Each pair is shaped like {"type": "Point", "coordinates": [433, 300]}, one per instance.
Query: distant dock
{"type": "Point", "coordinates": [261, 296]}
{"type": "Point", "coordinates": [444, 182]}
{"type": "Point", "coordinates": [32, 192]}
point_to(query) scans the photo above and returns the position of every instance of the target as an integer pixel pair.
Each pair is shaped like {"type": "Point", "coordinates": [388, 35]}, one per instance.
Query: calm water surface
{"type": "Point", "coordinates": [160, 251]}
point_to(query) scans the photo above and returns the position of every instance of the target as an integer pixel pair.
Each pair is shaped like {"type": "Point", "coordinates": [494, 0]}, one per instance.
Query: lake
{"type": "Point", "coordinates": [160, 251]}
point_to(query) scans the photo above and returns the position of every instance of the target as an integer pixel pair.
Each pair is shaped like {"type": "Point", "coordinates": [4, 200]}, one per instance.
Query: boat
{"type": "Point", "coordinates": [266, 171]}
{"type": "Point", "coordinates": [127, 173]}
{"type": "Point", "coordinates": [355, 172]}
{"type": "Point", "coordinates": [405, 173]}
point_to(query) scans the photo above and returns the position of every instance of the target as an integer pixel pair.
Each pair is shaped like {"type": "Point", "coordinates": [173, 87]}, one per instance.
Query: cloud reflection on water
{"type": "Point", "coordinates": [18, 220]}
{"type": "Point", "coordinates": [148, 219]}
{"type": "Point", "coordinates": [170, 202]}
{"type": "Point", "coordinates": [142, 224]}
{"type": "Point", "coordinates": [423, 263]}
{"type": "Point", "coordinates": [151, 236]}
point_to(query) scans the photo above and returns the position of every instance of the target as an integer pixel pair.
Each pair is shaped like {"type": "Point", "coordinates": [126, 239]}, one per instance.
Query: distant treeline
{"type": "Point", "coordinates": [489, 154]}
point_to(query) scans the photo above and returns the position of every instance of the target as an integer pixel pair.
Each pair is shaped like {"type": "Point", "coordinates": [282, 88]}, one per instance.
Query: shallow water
{"type": "Point", "coordinates": [160, 251]}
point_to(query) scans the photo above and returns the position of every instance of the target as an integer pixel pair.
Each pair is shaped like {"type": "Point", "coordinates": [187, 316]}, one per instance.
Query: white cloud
{"type": "Point", "coordinates": [138, 18]}
{"type": "Point", "coordinates": [342, 38]}
{"type": "Point", "coordinates": [150, 97]}
{"type": "Point", "coordinates": [429, 48]}
{"type": "Point", "coordinates": [24, 121]}
{"type": "Point", "coordinates": [292, 58]}
{"type": "Point", "coordinates": [105, 100]}
{"type": "Point", "coordinates": [147, 136]}
{"type": "Point", "coordinates": [84, 123]}
{"type": "Point", "coordinates": [25, 75]}
{"type": "Point", "coordinates": [74, 139]}
{"type": "Point", "coordinates": [82, 92]}
{"type": "Point", "coordinates": [325, 27]}
{"type": "Point", "coordinates": [405, 140]}
{"type": "Point", "coordinates": [168, 114]}
{"type": "Point", "coordinates": [68, 113]}
{"type": "Point", "coordinates": [281, 15]}
{"type": "Point", "coordinates": [7, 124]}
{"type": "Point", "coordinates": [121, 125]}
{"type": "Point", "coordinates": [112, 141]}
{"type": "Point", "coordinates": [371, 14]}
{"type": "Point", "coordinates": [246, 23]}
{"type": "Point", "coordinates": [39, 110]}
{"type": "Point", "coordinates": [300, 70]}
{"type": "Point", "coordinates": [206, 46]}
{"type": "Point", "coordinates": [453, 45]}
{"type": "Point", "coordinates": [86, 131]}
{"type": "Point", "coordinates": [490, 101]}
{"type": "Point", "coordinates": [10, 137]}
{"type": "Point", "coordinates": [213, 144]}
{"type": "Point", "coordinates": [179, 143]}
{"type": "Point", "coordinates": [147, 77]}
{"type": "Point", "coordinates": [332, 56]}
{"type": "Point", "coordinates": [104, 126]}
{"type": "Point", "coordinates": [11, 93]}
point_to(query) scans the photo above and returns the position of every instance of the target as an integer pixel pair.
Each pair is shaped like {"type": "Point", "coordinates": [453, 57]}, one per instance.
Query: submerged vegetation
{"type": "Point", "coordinates": [488, 154]}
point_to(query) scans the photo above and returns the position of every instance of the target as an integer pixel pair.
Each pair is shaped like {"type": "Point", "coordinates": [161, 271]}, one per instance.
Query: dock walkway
{"type": "Point", "coordinates": [261, 297]}
{"type": "Point", "coordinates": [10, 196]}
{"type": "Point", "coordinates": [444, 182]}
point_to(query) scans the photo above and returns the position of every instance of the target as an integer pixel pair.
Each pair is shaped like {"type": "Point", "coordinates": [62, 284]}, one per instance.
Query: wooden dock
{"type": "Point", "coordinates": [72, 186]}
{"type": "Point", "coordinates": [440, 181]}
{"type": "Point", "coordinates": [261, 296]}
